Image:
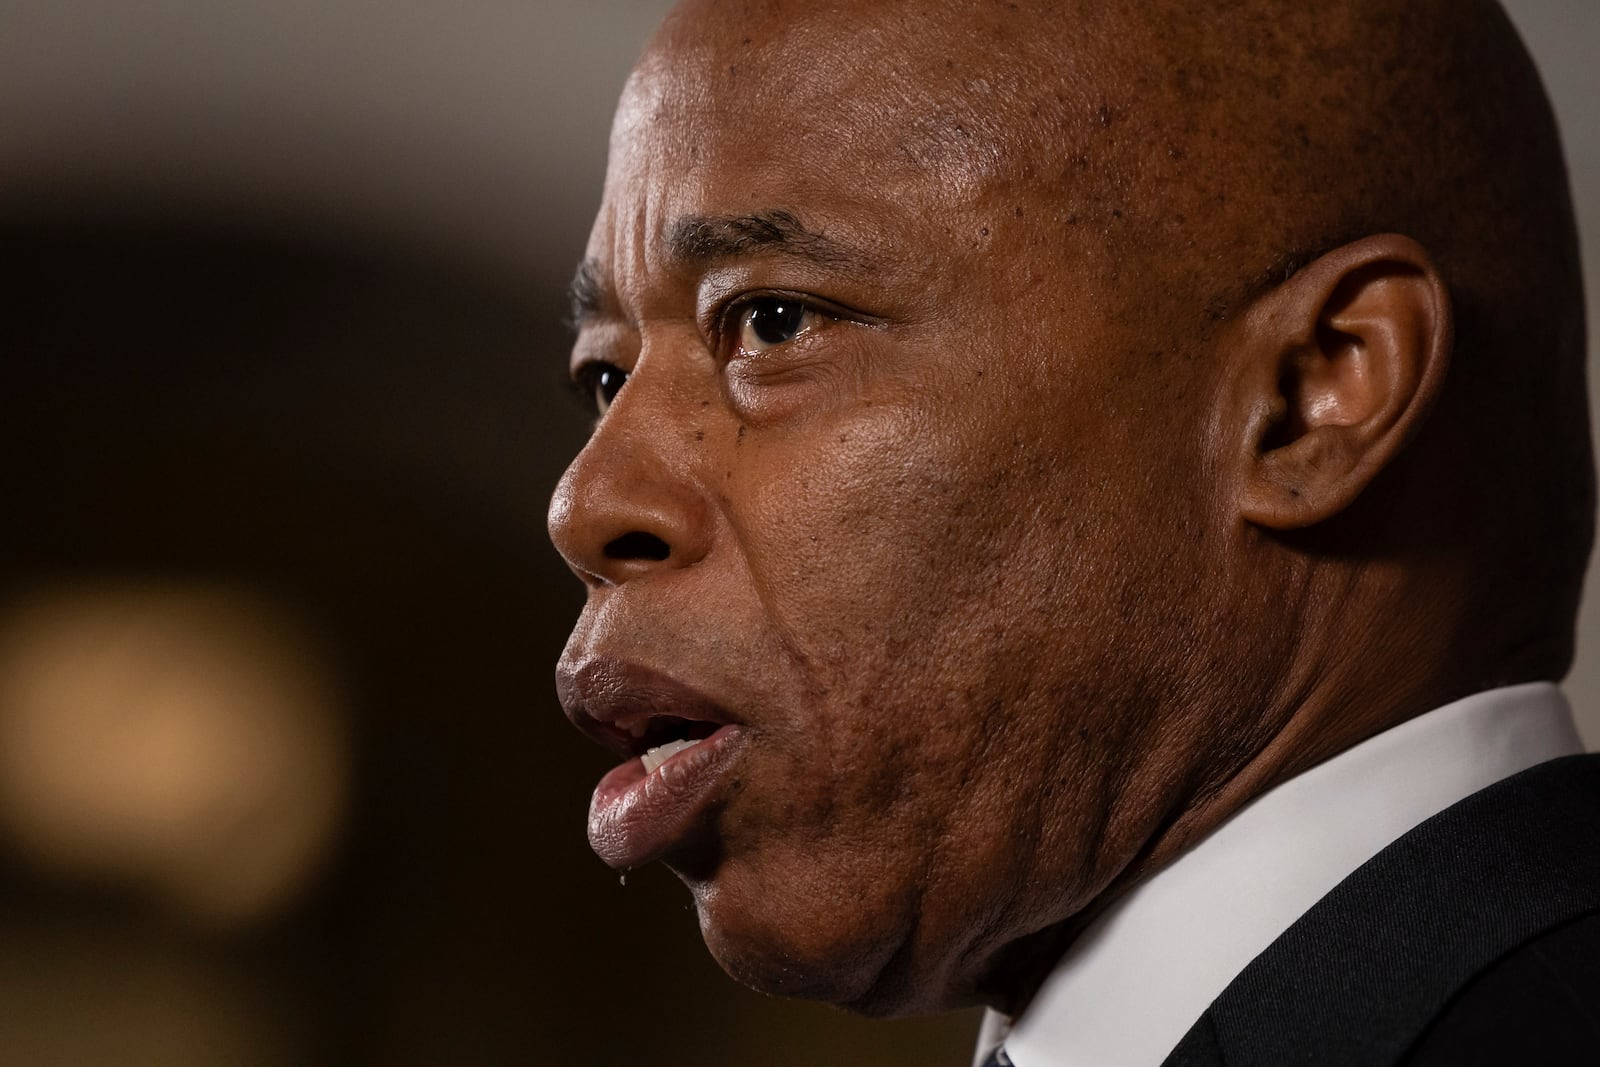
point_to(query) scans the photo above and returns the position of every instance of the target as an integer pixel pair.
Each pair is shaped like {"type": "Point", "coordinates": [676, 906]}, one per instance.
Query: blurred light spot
{"type": "Point", "coordinates": [180, 740]}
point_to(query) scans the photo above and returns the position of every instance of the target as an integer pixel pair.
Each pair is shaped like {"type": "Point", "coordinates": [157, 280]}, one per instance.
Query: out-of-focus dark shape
{"type": "Point", "coordinates": [360, 432]}
{"type": "Point", "coordinates": [85, 993]}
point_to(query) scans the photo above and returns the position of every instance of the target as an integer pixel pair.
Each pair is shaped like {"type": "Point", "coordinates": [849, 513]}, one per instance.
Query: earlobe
{"type": "Point", "coordinates": [1340, 366]}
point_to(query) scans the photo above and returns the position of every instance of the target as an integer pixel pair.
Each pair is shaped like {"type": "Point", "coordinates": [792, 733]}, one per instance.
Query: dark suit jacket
{"type": "Point", "coordinates": [1474, 939]}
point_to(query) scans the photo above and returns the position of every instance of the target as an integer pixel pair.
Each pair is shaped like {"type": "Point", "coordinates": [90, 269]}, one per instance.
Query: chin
{"type": "Point", "coordinates": [830, 947]}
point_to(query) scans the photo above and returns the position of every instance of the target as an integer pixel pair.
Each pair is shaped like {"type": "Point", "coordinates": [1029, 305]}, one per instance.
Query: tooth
{"type": "Point", "coordinates": [637, 729]}
{"type": "Point", "coordinates": [657, 756]}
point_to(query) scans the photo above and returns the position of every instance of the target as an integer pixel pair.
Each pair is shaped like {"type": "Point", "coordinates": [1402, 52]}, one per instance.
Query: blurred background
{"type": "Point", "coordinates": [282, 775]}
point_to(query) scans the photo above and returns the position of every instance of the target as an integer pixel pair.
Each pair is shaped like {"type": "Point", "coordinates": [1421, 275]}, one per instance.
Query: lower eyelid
{"type": "Point", "coordinates": [812, 347]}
{"type": "Point", "coordinates": [761, 373]}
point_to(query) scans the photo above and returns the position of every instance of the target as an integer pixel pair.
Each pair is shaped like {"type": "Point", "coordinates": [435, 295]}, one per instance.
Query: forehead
{"type": "Point", "coordinates": [825, 107]}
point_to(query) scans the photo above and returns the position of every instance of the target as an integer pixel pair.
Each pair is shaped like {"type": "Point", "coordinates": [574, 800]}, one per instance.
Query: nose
{"type": "Point", "coordinates": [629, 504]}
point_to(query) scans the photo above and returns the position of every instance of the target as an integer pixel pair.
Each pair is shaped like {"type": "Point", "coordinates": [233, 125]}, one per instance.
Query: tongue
{"type": "Point", "coordinates": [655, 757]}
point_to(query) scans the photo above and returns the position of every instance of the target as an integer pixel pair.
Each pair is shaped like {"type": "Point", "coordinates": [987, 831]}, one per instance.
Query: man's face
{"type": "Point", "coordinates": [881, 504]}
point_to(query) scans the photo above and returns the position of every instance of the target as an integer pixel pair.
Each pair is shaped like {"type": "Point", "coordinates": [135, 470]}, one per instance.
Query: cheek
{"type": "Point", "coordinates": [865, 531]}
{"type": "Point", "coordinates": [866, 560]}
{"type": "Point", "coordinates": [887, 560]}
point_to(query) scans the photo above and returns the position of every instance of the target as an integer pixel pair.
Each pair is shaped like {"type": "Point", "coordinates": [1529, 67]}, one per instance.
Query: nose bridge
{"type": "Point", "coordinates": [632, 502]}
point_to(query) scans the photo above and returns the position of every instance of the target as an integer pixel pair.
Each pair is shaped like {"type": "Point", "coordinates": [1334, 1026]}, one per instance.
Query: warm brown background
{"type": "Point", "coordinates": [280, 356]}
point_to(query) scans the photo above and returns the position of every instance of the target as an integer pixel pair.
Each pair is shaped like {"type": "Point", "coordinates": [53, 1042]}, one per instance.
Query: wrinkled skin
{"type": "Point", "coordinates": [961, 549]}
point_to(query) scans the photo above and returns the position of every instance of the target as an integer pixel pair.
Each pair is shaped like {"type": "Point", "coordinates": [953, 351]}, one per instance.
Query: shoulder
{"type": "Point", "coordinates": [1483, 922]}
{"type": "Point", "coordinates": [1540, 1003]}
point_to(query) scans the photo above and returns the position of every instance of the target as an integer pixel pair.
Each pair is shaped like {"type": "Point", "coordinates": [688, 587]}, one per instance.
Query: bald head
{"type": "Point", "coordinates": [1028, 431]}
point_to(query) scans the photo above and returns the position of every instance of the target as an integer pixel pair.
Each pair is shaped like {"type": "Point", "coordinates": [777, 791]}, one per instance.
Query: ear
{"type": "Point", "coordinates": [1334, 370]}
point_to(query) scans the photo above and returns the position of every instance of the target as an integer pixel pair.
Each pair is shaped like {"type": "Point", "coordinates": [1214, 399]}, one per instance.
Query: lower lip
{"type": "Point", "coordinates": [636, 817]}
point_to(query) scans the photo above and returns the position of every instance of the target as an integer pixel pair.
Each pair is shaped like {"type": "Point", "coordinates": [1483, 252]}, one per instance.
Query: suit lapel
{"type": "Point", "coordinates": [1356, 979]}
{"type": "Point", "coordinates": [1199, 1047]}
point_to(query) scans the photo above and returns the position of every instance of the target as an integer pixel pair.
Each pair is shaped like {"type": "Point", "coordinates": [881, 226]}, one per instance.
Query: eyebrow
{"type": "Point", "coordinates": [701, 240]}
{"type": "Point", "coordinates": [586, 296]}
{"type": "Point", "coordinates": [704, 239]}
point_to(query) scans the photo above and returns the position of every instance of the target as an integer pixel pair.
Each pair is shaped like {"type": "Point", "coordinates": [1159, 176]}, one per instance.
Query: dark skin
{"type": "Point", "coordinates": [1049, 429]}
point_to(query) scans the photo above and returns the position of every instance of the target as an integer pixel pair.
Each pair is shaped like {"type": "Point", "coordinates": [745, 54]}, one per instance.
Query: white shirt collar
{"type": "Point", "coordinates": [1137, 978]}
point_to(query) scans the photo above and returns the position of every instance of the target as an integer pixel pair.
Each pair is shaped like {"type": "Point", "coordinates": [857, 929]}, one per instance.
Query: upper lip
{"type": "Point", "coordinates": [630, 708]}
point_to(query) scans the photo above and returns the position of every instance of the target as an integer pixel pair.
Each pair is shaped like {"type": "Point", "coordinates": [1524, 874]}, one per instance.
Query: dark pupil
{"type": "Point", "coordinates": [776, 321]}
{"type": "Point", "coordinates": [607, 382]}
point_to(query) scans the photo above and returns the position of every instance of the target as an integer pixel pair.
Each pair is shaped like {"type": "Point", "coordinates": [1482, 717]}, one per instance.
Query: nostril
{"type": "Point", "coordinates": [638, 545]}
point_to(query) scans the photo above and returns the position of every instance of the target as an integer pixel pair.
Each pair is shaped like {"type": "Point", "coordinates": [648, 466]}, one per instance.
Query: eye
{"type": "Point", "coordinates": [600, 383]}
{"type": "Point", "coordinates": [772, 320]}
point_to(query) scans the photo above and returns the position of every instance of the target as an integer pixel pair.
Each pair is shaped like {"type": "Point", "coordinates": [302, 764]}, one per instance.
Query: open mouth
{"type": "Point", "coordinates": [636, 712]}
{"type": "Point", "coordinates": [678, 747]}
{"type": "Point", "coordinates": [664, 736]}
